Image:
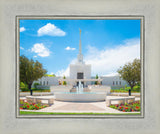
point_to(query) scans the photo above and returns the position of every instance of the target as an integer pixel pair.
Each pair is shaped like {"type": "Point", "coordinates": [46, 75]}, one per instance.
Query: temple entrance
{"type": "Point", "coordinates": [80, 76]}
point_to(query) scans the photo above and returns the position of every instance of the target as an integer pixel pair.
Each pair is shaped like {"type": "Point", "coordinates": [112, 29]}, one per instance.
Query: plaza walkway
{"type": "Point", "coordinates": [79, 107]}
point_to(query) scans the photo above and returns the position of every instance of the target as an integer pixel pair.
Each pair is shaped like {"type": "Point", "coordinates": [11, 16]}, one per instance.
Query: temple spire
{"type": "Point", "coordinates": [80, 56]}
{"type": "Point", "coordinates": [80, 49]}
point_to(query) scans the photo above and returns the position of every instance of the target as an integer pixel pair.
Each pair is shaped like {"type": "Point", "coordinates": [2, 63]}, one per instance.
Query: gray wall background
{"type": "Point", "coordinates": [9, 124]}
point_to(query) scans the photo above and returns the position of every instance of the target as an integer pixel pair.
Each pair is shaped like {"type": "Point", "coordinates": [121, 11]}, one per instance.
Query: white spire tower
{"type": "Point", "coordinates": [80, 55]}
{"type": "Point", "coordinates": [80, 70]}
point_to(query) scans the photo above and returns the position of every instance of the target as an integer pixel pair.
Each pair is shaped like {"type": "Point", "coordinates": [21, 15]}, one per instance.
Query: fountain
{"type": "Point", "coordinates": [80, 95]}
{"type": "Point", "coordinates": [79, 88]}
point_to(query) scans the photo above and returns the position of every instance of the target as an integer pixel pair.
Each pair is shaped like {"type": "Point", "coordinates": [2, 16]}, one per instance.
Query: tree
{"type": "Point", "coordinates": [30, 71]}
{"type": "Point", "coordinates": [64, 82]}
{"type": "Point", "coordinates": [96, 82]}
{"type": "Point", "coordinates": [50, 75]}
{"type": "Point", "coordinates": [131, 72]}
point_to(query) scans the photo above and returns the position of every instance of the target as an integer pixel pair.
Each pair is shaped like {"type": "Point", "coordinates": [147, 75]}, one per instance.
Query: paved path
{"type": "Point", "coordinates": [94, 107]}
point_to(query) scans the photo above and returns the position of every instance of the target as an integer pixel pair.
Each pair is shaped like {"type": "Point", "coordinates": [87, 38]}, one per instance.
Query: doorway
{"type": "Point", "coordinates": [80, 76]}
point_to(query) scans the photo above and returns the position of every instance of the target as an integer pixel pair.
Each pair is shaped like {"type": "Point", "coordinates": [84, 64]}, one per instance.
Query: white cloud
{"type": "Point", "coordinates": [40, 49]}
{"type": "Point", "coordinates": [51, 73]}
{"type": "Point", "coordinates": [69, 48]}
{"type": "Point", "coordinates": [106, 62]}
{"type": "Point", "coordinates": [22, 29]}
{"type": "Point", "coordinates": [21, 48]}
{"type": "Point", "coordinates": [51, 30]}
{"type": "Point", "coordinates": [63, 72]}
{"type": "Point", "coordinates": [35, 56]}
{"type": "Point", "coordinates": [111, 74]}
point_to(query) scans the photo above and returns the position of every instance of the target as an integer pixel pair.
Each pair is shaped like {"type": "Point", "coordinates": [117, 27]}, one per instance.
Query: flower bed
{"type": "Point", "coordinates": [130, 107]}
{"type": "Point", "coordinates": [31, 106]}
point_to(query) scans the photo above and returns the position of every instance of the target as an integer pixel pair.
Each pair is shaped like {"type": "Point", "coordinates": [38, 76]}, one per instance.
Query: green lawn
{"type": "Point", "coordinates": [50, 113]}
{"type": "Point", "coordinates": [124, 91]}
{"type": "Point", "coordinates": [35, 90]}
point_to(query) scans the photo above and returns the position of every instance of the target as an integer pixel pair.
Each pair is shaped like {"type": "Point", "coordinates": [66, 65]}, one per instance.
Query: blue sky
{"type": "Point", "coordinates": [106, 44]}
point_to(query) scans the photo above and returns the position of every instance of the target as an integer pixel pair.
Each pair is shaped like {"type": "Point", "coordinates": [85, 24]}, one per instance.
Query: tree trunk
{"type": "Point", "coordinates": [29, 86]}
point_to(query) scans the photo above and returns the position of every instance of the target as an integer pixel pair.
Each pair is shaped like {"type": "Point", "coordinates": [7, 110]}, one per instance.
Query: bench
{"type": "Point", "coordinates": [121, 100]}
{"type": "Point", "coordinates": [129, 99]}
{"type": "Point", "coordinates": [37, 99]}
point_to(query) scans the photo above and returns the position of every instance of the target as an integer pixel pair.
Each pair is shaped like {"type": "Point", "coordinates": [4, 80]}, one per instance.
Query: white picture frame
{"type": "Point", "coordinates": [9, 123]}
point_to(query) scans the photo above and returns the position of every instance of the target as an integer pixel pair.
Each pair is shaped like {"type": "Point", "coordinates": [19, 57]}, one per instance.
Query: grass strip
{"type": "Point", "coordinates": [52, 113]}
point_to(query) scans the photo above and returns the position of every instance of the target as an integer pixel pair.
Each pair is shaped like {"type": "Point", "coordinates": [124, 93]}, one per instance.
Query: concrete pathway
{"type": "Point", "coordinates": [77, 107]}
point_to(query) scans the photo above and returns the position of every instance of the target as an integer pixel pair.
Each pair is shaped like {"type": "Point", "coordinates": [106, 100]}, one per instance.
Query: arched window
{"type": "Point", "coordinates": [113, 82]}
{"type": "Point", "coordinates": [43, 82]}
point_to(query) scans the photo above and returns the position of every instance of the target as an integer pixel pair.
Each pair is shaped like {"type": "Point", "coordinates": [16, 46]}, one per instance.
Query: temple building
{"type": "Point", "coordinates": [80, 71]}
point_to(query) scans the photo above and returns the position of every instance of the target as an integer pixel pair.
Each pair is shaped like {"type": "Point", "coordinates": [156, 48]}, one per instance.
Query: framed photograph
{"type": "Point", "coordinates": [94, 76]}
{"type": "Point", "coordinates": [79, 67]}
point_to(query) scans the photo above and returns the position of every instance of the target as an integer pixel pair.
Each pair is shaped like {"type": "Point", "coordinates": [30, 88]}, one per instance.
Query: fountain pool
{"type": "Point", "coordinates": [80, 95]}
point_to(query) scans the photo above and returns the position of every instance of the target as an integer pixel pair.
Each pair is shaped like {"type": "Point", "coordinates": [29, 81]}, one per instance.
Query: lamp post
{"type": "Point", "coordinates": [29, 86]}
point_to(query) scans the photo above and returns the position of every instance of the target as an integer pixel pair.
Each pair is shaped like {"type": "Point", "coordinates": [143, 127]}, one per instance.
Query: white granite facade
{"type": "Point", "coordinates": [80, 68]}
{"type": "Point", "coordinates": [113, 81]}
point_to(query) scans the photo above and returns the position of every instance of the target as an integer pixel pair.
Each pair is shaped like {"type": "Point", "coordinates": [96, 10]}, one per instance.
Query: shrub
{"type": "Point", "coordinates": [137, 88]}
{"type": "Point", "coordinates": [64, 82]}
{"type": "Point", "coordinates": [35, 85]}
{"type": "Point", "coordinates": [127, 107]}
{"type": "Point", "coordinates": [31, 106]}
{"type": "Point", "coordinates": [23, 86]}
{"type": "Point", "coordinates": [125, 90]}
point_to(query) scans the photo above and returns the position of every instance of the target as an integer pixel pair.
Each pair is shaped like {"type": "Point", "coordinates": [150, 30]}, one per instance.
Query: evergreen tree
{"type": "Point", "coordinates": [96, 82]}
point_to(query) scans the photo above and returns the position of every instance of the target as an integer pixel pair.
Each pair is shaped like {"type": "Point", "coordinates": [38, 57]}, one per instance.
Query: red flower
{"type": "Point", "coordinates": [126, 107]}
{"type": "Point", "coordinates": [27, 106]}
{"type": "Point", "coordinates": [137, 107]}
{"type": "Point", "coordinates": [123, 110]}
{"type": "Point", "coordinates": [120, 107]}
{"type": "Point", "coordinates": [21, 108]}
{"type": "Point", "coordinates": [37, 107]}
